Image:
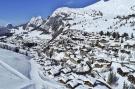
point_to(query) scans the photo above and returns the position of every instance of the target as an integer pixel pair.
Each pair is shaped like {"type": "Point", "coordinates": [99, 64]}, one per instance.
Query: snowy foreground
{"type": "Point", "coordinates": [15, 71]}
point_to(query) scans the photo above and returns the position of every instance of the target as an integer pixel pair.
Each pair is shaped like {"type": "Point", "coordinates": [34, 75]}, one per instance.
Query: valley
{"type": "Point", "coordinates": [75, 48]}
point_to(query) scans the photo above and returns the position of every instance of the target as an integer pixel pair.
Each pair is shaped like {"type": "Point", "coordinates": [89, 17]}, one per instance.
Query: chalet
{"type": "Point", "coordinates": [72, 84]}
{"type": "Point", "coordinates": [131, 78]}
{"type": "Point", "coordinates": [60, 50]}
{"type": "Point", "coordinates": [115, 45]}
{"type": "Point", "coordinates": [54, 72]}
{"type": "Point", "coordinates": [88, 83]}
{"type": "Point", "coordinates": [104, 41]}
{"type": "Point", "coordinates": [64, 80]}
{"type": "Point", "coordinates": [98, 65]}
{"type": "Point", "coordinates": [78, 56]}
{"type": "Point", "coordinates": [91, 54]}
{"type": "Point", "coordinates": [103, 61]}
{"type": "Point", "coordinates": [83, 71]}
{"type": "Point", "coordinates": [19, 38]}
{"type": "Point", "coordinates": [66, 70]}
{"type": "Point", "coordinates": [25, 32]}
{"type": "Point", "coordinates": [41, 62]}
{"type": "Point", "coordinates": [123, 71]}
{"type": "Point", "coordinates": [116, 40]}
{"type": "Point", "coordinates": [125, 51]}
{"type": "Point", "coordinates": [101, 45]}
{"type": "Point", "coordinates": [3, 37]}
{"type": "Point", "coordinates": [127, 46]}
{"type": "Point", "coordinates": [132, 60]}
{"type": "Point", "coordinates": [77, 39]}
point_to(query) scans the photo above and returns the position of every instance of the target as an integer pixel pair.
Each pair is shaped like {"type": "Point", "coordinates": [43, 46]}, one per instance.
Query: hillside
{"type": "Point", "coordinates": [107, 16]}
{"type": "Point", "coordinates": [80, 48]}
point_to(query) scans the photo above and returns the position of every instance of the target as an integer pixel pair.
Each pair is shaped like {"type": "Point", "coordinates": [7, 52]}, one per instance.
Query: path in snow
{"type": "Point", "coordinates": [14, 71]}
{"type": "Point", "coordinates": [17, 61]}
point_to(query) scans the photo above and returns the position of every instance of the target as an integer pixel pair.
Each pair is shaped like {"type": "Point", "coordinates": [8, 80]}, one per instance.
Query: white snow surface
{"type": "Point", "coordinates": [100, 16]}
{"type": "Point", "coordinates": [14, 71]}
{"type": "Point", "coordinates": [18, 72]}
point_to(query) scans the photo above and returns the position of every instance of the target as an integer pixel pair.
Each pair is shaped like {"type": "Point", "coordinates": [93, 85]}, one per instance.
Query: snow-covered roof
{"type": "Point", "coordinates": [72, 83]}
{"type": "Point", "coordinates": [64, 79]}
{"type": "Point", "coordinates": [130, 42]}
{"type": "Point", "coordinates": [65, 70]}
{"type": "Point", "coordinates": [114, 44]}
{"type": "Point", "coordinates": [125, 69]}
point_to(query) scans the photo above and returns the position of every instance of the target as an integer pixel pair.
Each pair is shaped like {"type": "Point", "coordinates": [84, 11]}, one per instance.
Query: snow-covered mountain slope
{"type": "Point", "coordinates": [114, 7]}
{"type": "Point", "coordinates": [104, 15]}
{"type": "Point", "coordinates": [18, 59]}
{"type": "Point", "coordinates": [68, 47]}
{"type": "Point", "coordinates": [36, 21]}
{"type": "Point", "coordinates": [34, 30]}
{"type": "Point", "coordinates": [4, 31]}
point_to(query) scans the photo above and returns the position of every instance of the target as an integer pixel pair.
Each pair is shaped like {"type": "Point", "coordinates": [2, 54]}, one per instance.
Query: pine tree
{"type": "Point", "coordinates": [125, 86]}
{"type": "Point", "coordinates": [97, 43]}
{"type": "Point", "coordinates": [112, 78]}
{"type": "Point", "coordinates": [108, 33]}
{"type": "Point", "coordinates": [101, 33]}
{"type": "Point", "coordinates": [132, 35]}
{"type": "Point", "coordinates": [117, 35]}
{"type": "Point", "coordinates": [114, 34]}
{"type": "Point", "coordinates": [122, 40]}
{"type": "Point", "coordinates": [125, 35]}
{"type": "Point", "coordinates": [131, 86]}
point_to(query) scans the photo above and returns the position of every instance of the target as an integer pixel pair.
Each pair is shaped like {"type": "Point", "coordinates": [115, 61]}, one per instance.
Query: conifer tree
{"type": "Point", "coordinates": [125, 86]}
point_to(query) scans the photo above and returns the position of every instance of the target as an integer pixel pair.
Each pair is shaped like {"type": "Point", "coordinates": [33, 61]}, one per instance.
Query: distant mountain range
{"type": "Point", "coordinates": [106, 15]}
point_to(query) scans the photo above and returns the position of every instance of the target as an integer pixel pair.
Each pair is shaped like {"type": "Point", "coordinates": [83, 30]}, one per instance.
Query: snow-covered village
{"type": "Point", "coordinates": [74, 48]}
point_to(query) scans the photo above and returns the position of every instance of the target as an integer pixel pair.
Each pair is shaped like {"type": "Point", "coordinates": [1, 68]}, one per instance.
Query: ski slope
{"type": "Point", "coordinates": [14, 71]}
{"type": "Point", "coordinates": [101, 16]}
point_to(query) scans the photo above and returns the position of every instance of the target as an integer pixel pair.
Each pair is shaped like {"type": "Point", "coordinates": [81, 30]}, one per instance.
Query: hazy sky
{"type": "Point", "coordinates": [19, 11]}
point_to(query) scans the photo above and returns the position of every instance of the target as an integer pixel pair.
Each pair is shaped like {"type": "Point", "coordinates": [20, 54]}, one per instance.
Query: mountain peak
{"type": "Point", "coordinates": [9, 26]}
{"type": "Point", "coordinates": [36, 21]}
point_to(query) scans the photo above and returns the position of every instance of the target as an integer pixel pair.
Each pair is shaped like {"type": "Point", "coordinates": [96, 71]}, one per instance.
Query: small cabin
{"type": "Point", "coordinates": [123, 71]}
{"type": "Point", "coordinates": [72, 84]}
{"type": "Point", "coordinates": [88, 83]}
{"type": "Point", "coordinates": [100, 45]}
{"type": "Point", "coordinates": [115, 45]}
{"type": "Point", "coordinates": [127, 46]}
{"type": "Point", "coordinates": [66, 70]}
{"type": "Point", "coordinates": [104, 41]}
{"type": "Point", "coordinates": [97, 65]}
{"type": "Point", "coordinates": [54, 72]}
{"type": "Point", "coordinates": [64, 80]}
{"type": "Point", "coordinates": [103, 61]}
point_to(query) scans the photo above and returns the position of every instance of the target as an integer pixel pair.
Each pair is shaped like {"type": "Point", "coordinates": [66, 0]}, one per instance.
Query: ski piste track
{"type": "Point", "coordinates": [11, 74]}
